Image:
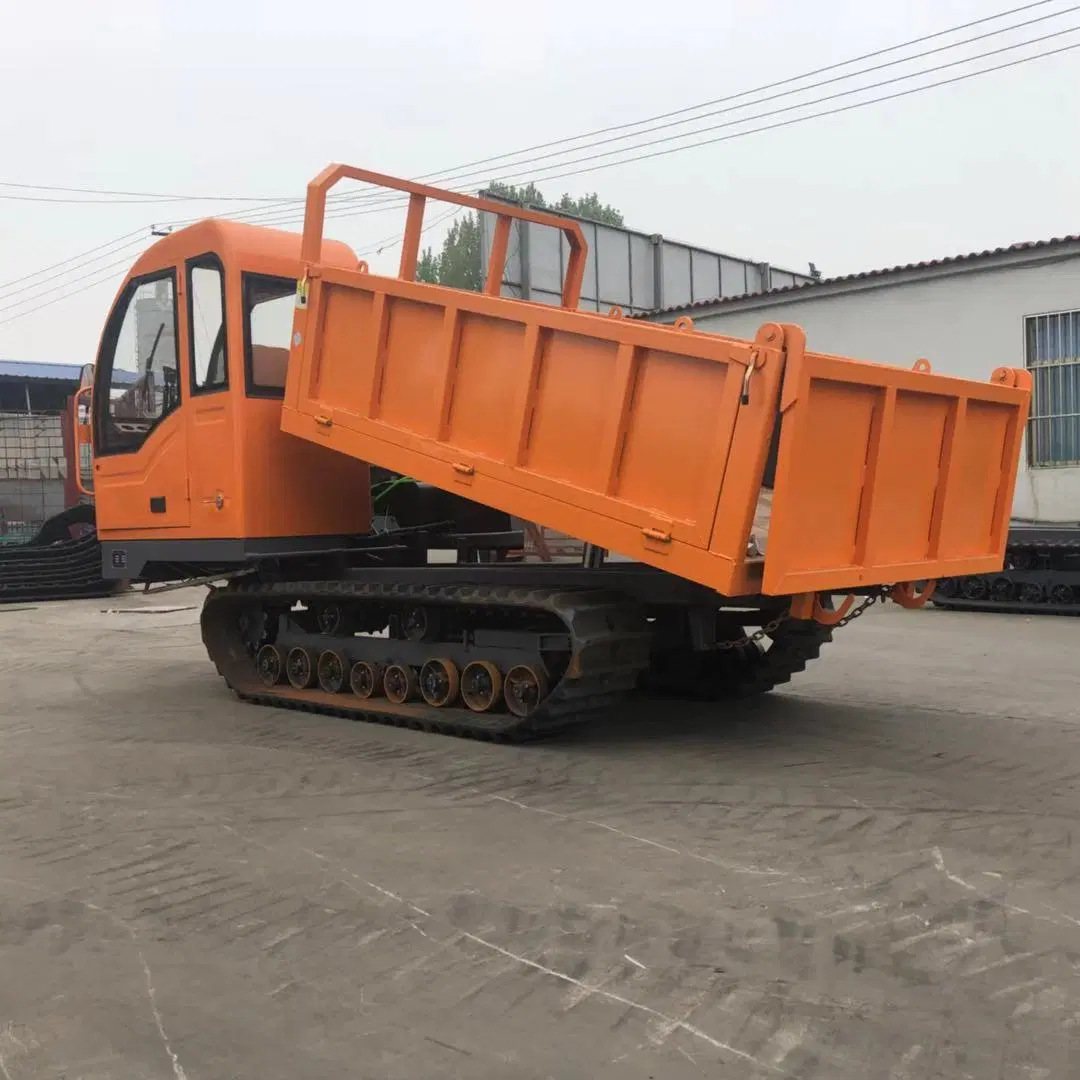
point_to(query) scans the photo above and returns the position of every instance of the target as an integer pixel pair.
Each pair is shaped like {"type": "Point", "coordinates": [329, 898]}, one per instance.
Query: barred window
{"type": "Point", "coordinates": [1052, 353]}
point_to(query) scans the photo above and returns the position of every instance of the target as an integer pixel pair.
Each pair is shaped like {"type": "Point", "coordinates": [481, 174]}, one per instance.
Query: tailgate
{"type": "Point", "coordinates": [886, 474]}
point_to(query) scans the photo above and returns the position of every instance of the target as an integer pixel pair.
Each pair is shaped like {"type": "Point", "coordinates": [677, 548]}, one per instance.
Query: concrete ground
{"type": "Point", "coordinates": [870, 875]}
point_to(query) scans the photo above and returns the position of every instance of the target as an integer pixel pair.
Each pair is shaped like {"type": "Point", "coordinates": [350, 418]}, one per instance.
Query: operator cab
{"type": "Point", "coordinates": [190, 375]}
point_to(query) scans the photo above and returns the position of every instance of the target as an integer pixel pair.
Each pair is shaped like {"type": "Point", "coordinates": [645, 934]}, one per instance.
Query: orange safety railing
{"type": "Point", "coordinates": [419, 194]}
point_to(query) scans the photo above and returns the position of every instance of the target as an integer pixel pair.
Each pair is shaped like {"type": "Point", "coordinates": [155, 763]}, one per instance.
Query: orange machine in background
{"type": "Point", "coordinates": [248, 379]}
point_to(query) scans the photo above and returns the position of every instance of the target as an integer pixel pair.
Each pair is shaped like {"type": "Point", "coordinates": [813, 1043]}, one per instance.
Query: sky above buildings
{"type": "Point", "coordinates": [246, 102]}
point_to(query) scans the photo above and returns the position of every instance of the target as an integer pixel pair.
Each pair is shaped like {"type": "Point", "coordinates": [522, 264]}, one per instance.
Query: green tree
{"type": "Point", "coordinates": [458, 263]}
{"type": "Point", "coordinates": [427, 268]}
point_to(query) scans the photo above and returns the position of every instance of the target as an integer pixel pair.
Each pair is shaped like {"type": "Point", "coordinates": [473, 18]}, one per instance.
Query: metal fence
{"type": "Point", "coordinates": [33, 469]}
{"type": "Point", "coordinates": [636, 271]}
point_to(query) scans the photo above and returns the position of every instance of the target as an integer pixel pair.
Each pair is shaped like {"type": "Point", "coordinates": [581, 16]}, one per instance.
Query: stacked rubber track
{"type": "Point", "coordinates": [1041, 577]}
{"type": "Point", "coordinates": [609, 650]}
{"type": "Point", "coordinates": [52, 566]}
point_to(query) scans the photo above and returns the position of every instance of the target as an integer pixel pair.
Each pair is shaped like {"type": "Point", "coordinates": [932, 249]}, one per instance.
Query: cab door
{"type": "Point", "coordinates": [140, 435]}
{"type": "Point", "coordinates": [211, 409]}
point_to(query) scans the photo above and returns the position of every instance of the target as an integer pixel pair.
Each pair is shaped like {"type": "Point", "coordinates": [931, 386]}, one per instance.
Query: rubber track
{"type": "Point", "coordinates": [795, 643]}
{"type": "Point", "coordinates": [1047, 575]}
{"type": "Point", "coordinates": [609, 650]}
{"type": "Point", "coordinates": [1006, 607]}
{"type": "Point", "coordinates": [64, 571]}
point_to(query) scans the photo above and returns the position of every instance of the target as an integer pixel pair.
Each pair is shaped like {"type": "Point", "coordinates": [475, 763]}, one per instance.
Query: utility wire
{"type": "Point", "coordinates": [704, 142]}
{"type": "Point", "coordinates": [123, 195]}
{"type": "Point", "coordinates": [83, 202]}
{"type": "Point", "coordinates": [107, 271]}
{"type": "Point", "coordinates": [469, 172]}
{"type": "Point", "coordinates": [124, 261]}
{"type": "Point", "coordinates": [138, 196]}
{"type": "Point", "coordinates": [394, 201]}
{"type": "Point", "coordinates": [746, 93]}
{"type": "Point", "coordinates": [71, 258]}
{"type": "Point", "coordinates": [128, 245]}
{"type": "Point", "coordinates": [98, 280]}
{"type": "Point", "coordinates": [832, 97]}
{"type": "Point", "coordinates": [379, 245]}
{"type": "Point", "coordinates": [816, 116]}
{"type": "Point", "coordinates": [835, 79]}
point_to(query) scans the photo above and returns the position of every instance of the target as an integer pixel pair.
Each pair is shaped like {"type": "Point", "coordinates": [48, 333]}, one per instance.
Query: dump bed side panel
{"type": "Point", "coordinates": [887, 474]}
{"type": "Point", "coordinates": [614, 431]}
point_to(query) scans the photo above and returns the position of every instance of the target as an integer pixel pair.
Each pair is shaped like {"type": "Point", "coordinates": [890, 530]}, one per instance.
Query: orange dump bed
{"type": "Point", "coordinates": [648, 440]}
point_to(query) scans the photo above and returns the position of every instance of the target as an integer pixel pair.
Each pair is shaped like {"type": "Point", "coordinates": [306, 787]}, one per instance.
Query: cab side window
{"type": "Point", "coordinates": [138, 365]}
{"type": "Point", "coordinates": [269, 305]}
{"type": "Point", "coordinates": [206, 325]}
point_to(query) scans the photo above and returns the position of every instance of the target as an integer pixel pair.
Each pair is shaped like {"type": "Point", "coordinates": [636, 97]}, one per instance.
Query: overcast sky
{"type": "Point", "coordinates": [251, 100]}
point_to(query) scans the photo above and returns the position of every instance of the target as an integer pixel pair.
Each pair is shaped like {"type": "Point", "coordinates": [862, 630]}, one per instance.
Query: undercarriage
{"type": "Point", "coordinates": [507, 652]}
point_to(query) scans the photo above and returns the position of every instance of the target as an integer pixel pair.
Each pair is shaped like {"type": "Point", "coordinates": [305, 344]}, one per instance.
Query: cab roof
{"type": "Point", "coordinates": [254, 247]}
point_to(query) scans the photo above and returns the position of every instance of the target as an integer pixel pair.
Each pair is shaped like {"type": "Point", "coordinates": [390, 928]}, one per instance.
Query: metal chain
{"type": "Point", "coordinates": [859, 609]}
{"type": "Point", "coordinates": [751, 639]}
{"type": "Point", "coordinates": [768, 628]}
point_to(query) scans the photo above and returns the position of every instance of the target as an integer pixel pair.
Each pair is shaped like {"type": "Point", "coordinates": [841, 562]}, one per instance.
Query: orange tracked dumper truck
{"type": "Point", "coordinates": [250, 383]}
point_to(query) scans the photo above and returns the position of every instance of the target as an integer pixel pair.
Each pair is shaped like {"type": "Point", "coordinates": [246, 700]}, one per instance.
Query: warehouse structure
{"type": "Point", "coordinates": [1017, 306]}
{"type": "Point", "coordinates": [34, 481]}
{"type": "Point", "coordinates": [625, 268]}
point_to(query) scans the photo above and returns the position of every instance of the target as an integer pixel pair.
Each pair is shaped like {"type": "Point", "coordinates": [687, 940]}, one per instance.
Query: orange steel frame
{"type": "Point", "coordinates": [419, 194]}
{"type": "Point", "coordinates": [388, 369]}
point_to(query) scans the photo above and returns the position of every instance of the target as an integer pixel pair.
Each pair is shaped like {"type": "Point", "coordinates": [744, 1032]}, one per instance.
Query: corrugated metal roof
{"type": "Point", "coordinates": [23, 369]}
{"type": "Point", "coordinates": [950, 260]}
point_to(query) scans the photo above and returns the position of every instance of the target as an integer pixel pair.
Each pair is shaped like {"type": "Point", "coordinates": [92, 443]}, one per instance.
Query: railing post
{"type": "Point", "coordinates": [500, 244]}
{"type": "Point", "coordinates": [410, 244]}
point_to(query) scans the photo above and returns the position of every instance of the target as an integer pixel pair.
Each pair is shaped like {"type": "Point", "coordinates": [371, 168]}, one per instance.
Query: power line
{"type": "Point", "coordinates": [274, 209]}
{"type": "Point", "coordinates": [377, 247]}
{"type": "Point", "coordinates": [66, 295]}
{"type": "Point", "coordinates": [815, 116]}
{"type": "Point", "coordinates": [123, 195]}
{"type": "Point", "coordinates": [265, 214]}
{"type": "Point", "coordinates": [71, 258]}
{"type": "Point", "coordinates": [835, 79]}
{"type": "Point", "coordinates": [746, 93]}
{"type": "Point", "coordinates": [377, 207]}
{"type": "Point", "coordinates": [675, 149]}
{"type": "Point", "coordinates": [125, 261]}
{"type": "Point", "coordinates": [82, 265]}
{"type": "Point", "coordinates": [103, 274]}
{"type": "Point", "coordinates": [138, 196]}
{"type": "Point", "coordinates": [824, 98]}
{"type": "Point", "coordinates": [393, 200]}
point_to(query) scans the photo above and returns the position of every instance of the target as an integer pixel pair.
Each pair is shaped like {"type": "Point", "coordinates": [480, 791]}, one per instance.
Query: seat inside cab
{"type": "Point", "coordinates": [268, 365]}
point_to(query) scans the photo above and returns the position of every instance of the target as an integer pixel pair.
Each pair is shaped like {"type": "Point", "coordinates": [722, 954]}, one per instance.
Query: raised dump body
{"type": "Point", "coordinates": [648, 440]}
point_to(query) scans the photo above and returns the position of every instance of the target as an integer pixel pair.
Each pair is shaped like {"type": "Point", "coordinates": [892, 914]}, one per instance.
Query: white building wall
{"type": "Point", "coordinates": [965, 324]}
